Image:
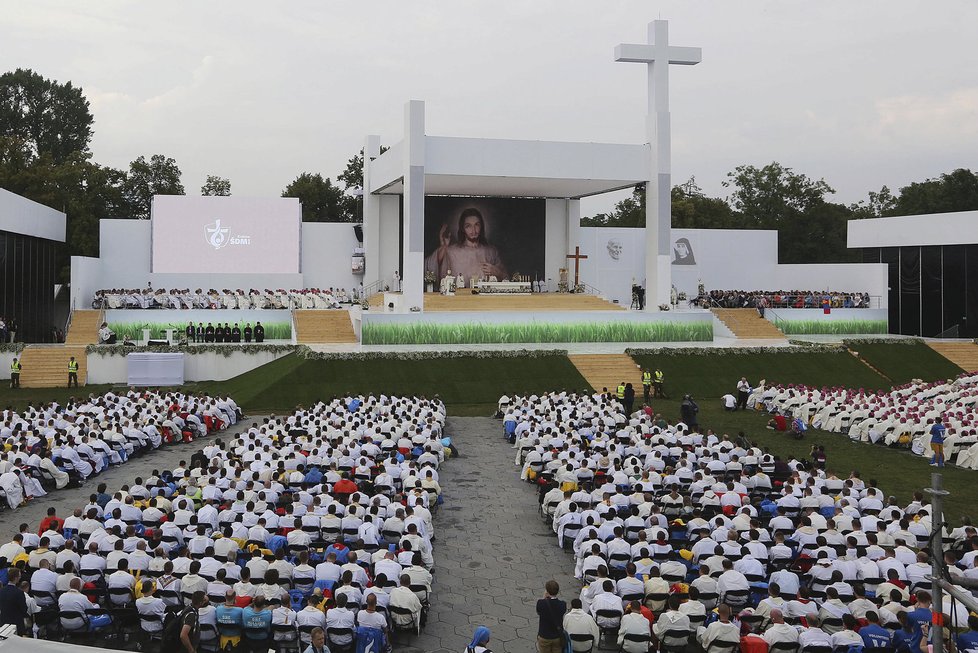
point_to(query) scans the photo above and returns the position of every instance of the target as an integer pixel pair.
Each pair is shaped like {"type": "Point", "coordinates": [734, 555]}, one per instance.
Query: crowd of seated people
{"type": "Point", "coordinates": [903, 416]}
{"type": "Point", "coordinates": [305, 298]}
{"type": "Point", "coordinates": [52, 446]}
{"type": "Point", "coordinates": [316, 526]}
{"type": "Point", "coordinates": [786, 299]}
{"type": "Point", "coordinates": [683, 535]}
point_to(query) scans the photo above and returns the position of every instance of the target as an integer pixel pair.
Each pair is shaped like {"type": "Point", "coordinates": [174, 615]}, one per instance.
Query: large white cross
{"type": "Point", "coordinates": [657, 54]}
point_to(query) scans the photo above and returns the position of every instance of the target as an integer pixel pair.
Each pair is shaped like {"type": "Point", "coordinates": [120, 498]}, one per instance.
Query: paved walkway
{"type": "Point", "coordinates": [493, 552]}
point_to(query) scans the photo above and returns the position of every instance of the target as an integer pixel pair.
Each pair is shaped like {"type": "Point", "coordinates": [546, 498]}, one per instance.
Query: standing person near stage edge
{"type": "Point", "coordinates": [658, 383]}
{"type": "Point", "coordinates": [72, 372]}
{"type": "Point", "coordinates": [551, 629]}
{"type": "Point", "coordinates": [647, 386]}
{"type": "Point", "coordinates": [15, 369]}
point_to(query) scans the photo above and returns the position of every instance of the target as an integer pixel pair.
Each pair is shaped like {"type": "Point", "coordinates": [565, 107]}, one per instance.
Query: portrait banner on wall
{"type": "Point", "coordinates": [485, 237]}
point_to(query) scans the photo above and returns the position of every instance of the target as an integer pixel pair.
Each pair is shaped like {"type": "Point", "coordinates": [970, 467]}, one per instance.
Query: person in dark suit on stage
{"type": "Point", "coordinates": [259, 332]}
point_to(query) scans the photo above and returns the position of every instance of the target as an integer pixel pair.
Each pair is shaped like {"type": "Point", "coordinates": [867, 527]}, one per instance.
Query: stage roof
{"type": "Point", "coordinates": [512, 168]}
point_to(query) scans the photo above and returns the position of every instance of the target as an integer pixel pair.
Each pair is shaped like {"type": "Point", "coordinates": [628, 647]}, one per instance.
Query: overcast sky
{"type": "Point", "coordinates": [861, 94]}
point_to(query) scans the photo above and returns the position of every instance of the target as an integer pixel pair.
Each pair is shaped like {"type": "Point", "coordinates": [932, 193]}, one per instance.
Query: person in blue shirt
{"type": "Point", "coordinates": [937, 433]}
{"type": "Point", "coordinates": [907, 638]}
{"type": "Point", "coordinates": [257, 621]}
{"type": "Point", "coordinates": [874, 635]}
{"type": "Point", "coordinates": [229, 621]}
{"type": "Point", "coordinates": [968, 641]}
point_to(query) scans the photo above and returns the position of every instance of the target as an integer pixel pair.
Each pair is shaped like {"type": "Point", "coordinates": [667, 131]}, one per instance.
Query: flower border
{"type": "Point", "coordinates": [303, 351]}
{"type": "Point", "coordinates": [223, 350]}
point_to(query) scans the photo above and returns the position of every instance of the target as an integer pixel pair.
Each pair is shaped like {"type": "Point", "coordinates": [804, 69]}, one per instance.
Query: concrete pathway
{"type": "Point", "coordinates": [493, 553]}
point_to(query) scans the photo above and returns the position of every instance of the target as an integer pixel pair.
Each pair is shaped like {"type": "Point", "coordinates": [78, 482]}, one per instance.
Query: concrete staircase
{"type": "Point", "coordinates": [608, 370]}
{"type": "Point", "coordinates": [324, 326]}
{"type": "Point", "coordinates": [964, 354]}
{"type": "Point", "coordinates": [83, 329]}
{"type": "Point", "coordinates": [47, 366]}
{"type": "Point", "coordinates": [745, 323]}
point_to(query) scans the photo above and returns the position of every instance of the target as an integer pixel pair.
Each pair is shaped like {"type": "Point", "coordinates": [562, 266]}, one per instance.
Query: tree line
{"type": "Point", "coordinates": [46, 129]}
{"type": "Point", "coordinates": [811, 228]}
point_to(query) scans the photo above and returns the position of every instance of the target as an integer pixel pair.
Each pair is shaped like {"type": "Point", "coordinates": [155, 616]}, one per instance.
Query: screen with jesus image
{"type": "Point", "coordinates": [485, 237]}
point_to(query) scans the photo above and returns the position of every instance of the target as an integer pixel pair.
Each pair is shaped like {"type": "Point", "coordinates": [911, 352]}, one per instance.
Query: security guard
{"type": "Point", "coordinates": [658, 378]}
{"type": "Point", "coordinates": [72, 372]}
{"type": "Point", "coordinates": [620, 392]}
{"type": "Point", "coordinates": [647, 385]}
{"type": "Point", "coordinates": [15, 369]}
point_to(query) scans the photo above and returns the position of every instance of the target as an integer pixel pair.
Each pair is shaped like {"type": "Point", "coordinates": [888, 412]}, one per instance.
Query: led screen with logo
{"type": "Point", "coordinates": [226, 235]}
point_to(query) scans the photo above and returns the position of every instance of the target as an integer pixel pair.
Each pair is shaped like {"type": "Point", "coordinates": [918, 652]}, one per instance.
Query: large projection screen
{"type": "Point", "coordinates": [226, 235]}
{"type": "Point", "coordinates": [485, 236]}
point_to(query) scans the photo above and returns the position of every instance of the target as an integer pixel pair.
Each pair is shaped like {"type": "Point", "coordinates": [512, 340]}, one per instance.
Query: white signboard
{"type": "Point", "coordinates": [226, 235]}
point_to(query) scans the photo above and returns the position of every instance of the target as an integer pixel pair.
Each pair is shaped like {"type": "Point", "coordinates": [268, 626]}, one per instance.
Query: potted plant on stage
{"type": "Point", "coordinates": [429, 281]}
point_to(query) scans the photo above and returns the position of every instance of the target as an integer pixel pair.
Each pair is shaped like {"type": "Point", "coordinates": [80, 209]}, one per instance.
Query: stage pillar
{"type": "Point", "coordinates": [371, 215]}
{"type": "Point", "coordinates": [412, 273]}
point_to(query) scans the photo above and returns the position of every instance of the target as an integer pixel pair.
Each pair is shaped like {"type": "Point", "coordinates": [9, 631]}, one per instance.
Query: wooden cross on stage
{"type": "Point", "coordinates": [577, 256]}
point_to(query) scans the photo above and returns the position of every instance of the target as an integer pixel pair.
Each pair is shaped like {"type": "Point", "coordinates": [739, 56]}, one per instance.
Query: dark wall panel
{"type": "Point", "coordinates": [954, 287]}
{"type": "Point", "coordinates": [27, 276]}
{"type": "Point", "coordinates": [971, 293]}
{"type": "Point", "coordinates": [931, 291]}
{"type": "Point", "coordinates": [891, 256]}
{"type": "Point", "coordinates": [910, 291]}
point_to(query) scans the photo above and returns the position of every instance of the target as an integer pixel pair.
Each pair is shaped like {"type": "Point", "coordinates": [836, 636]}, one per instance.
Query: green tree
{"type": "Point", "coordinates": [952, 191]}
{"type": "Point", "coordinates": [321, 201]}
{"type": "Point", "coordinates": [770, 196]}
{"type": "Point", "coordinates": [160, 175]}
{"type": "Point", "coordinates": [216, 186]}
{"type": "Point", "coordinates": [629, 212]}
{"type": "Point", "coordinates": [878, 204]}
{"type": "Point", "coordinates": [692, 209]}
{"type": "Point", "coordinates": [45, 116]}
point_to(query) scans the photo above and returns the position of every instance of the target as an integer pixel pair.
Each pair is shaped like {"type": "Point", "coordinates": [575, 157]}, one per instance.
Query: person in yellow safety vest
{"type": "Point", "coordinates": [658, 379]}
{"type": "Point", "coordinates": [647, 385]}
{"type": "Point", "coordinates": [15, 369]}
{"type": "Point", "coordinates": [72, 372]}
{"type": "Point", "coordinates": [620, 392]}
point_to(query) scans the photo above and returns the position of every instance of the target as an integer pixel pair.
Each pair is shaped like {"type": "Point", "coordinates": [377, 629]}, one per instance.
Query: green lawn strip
{"type": "Point", "coordinates": [713, 373]}
{"type": "Point", "coordinates": [472, 384]}
{"type": "Point", "coordinates": [904, 362]}
{"type": "Point", "coordinates": [831, 327]}
{"type": "Point", "coordinates": [18, 399]}
{"type": "Point", "coordinates": [526, 332]}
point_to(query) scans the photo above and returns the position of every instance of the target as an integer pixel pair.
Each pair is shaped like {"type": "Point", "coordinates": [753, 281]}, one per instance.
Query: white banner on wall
{"type": "Point", "coordinates": [227, 235]}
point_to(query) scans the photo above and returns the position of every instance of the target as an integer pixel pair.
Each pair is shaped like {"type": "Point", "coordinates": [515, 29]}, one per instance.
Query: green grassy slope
{"type": "Point", "coordinates": [708, 374]}
{"type": "Point", "coordinates": [903, 362]}
{"type": "Point", "coordinates": [468, 385]}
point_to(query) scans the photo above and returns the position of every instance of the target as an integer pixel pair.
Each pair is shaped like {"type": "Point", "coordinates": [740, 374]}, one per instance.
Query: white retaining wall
{"type": "Point", "coordinates": [207, 366]}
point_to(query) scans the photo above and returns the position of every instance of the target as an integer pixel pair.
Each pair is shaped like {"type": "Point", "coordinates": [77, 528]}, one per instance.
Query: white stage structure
{"type": "Point", "coordinates": [218, 242]}
{"type": "Point", "coordinates": [421, 165]}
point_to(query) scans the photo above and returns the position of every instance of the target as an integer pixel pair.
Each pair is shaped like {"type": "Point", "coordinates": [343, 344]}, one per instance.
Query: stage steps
{"type": "Point", "coordinates": [47, 366]}
{"type": "Point", "coordinates": [324, 326]}
{"type": "Point", "coordinates": [747, 324]}
{"type": "Point", "coordinates": [608, 370]}
{"type": "Point", "coordinates": [964, 354]}
{"type": "Point", "coordinates": [466, 301]}
{"type": "Point", "coordinates": [84, 327]}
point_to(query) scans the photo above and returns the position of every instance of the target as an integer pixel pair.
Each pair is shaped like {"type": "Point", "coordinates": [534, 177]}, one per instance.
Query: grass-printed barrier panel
{"type": "Point", "coordinates": [428, 333]}
{"type": "Point", "coordinates": [831, 327]}
{"type": "Point", "coordinates": [134, 330]}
